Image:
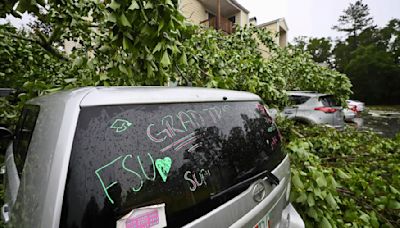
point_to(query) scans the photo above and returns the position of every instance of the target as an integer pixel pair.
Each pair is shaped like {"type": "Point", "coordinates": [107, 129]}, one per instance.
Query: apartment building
{"type": "Point", "coordinates": [278, 27]}
{"type": "Point", "coordinates": [225, 15]}
{"type": "Point", "coordinates": [219, 14]}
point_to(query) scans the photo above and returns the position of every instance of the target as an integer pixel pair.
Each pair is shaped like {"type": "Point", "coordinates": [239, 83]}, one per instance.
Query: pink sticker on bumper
{"type": "Point", "coordinates": [145, 220]}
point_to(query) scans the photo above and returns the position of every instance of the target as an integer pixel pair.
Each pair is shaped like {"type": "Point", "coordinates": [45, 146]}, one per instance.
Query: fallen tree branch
{"type": "Point", "coordinates": [365, 205]}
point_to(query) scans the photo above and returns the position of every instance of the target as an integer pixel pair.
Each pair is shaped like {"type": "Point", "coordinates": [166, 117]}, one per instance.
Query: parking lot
{"type": "Point", "coordinates": [384, 122]}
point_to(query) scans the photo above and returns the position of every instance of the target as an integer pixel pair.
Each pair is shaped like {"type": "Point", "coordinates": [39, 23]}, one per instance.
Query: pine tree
{"type": "Point", "coordinates": [355, 19]}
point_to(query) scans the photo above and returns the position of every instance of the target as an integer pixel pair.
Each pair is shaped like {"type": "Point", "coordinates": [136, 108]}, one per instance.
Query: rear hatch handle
{"type": "Point", "coordinates": [271, 178]}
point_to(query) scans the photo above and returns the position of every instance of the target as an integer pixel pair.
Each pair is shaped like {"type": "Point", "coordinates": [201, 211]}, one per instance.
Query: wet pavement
{"type": "Point", "coordinates": [386, 123]}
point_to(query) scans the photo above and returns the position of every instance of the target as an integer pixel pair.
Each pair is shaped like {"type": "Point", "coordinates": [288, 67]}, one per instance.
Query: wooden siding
{"type": "Point", "coordinates": [193, 11]}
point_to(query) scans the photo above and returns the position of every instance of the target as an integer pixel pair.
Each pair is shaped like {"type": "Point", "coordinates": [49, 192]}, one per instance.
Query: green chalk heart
{"type": "Point", "coordinates": [272, 128]}
{"type": "Point", "coordinates": [163, 166]}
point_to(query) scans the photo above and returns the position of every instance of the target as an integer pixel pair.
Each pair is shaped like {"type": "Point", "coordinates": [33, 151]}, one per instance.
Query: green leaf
{"type": "Point", "coordinates": [125, 43]}
{"type": "Point", "coordinates": [350, 215]}
{"type": "Point", "coordinates": [381, 200]}
{"type": "Point", "coordinates": [321, 181]}
{"type": "Point", "coordinates": [174, 49]}
{"type": "Point", "coordinates": [394, 190]}
{"type": "Point", "coordinates": [25, 5]}
{"type": "Point", "coordinates": [365, 218]}
{"type": "Point", "coordinates": [56, 89]}
{"type": "Point", "coordinates": [114, 5]}
{"type": "Point", "coordinates": [310, 200]}
{"type": "Point", "coordinates": [342, 174]}
{"type": "Point", "coordinates": [103, 77]}
{"type": "Point", "coordinates": [77, 62]}
{"type": "Point", "coordinates": [134, 5]}
{"type": "Point", "coordinates": [222, 72]}
{"type": "Point", "coordinates": [104, 48]}
{"type": "Point", "coordinates": [317, 192]}
{"type": "Point", "coordinates": [124, 21]}
{"type": "Point", "coordinates": [148, 5]}
{"type": "Point", "coordinates": [147, 30]}
{"type": "Point", "coordinates": [332, 182]}
{"type": "Point", "coordinates": [40, 2]}
{"type": "Point", "coordinates": [313, 213]}
{"type": "Point", "coordinates": [158, 47]}
{"type": "Point", "coordinates": [165, 59]}
{"type": "Point", "coordinates": [150, 70]}
{"type": "Point", "coordinates": [302, 198]}
{"type": "Point", "coordinates": [169, 2]}
{"type": "Point", "coordinates": [111, 17]}
{"type": "Point", "coordinates": [374, 220]}
{"type": "Point", "coordinates": [160, 26]}
{"type": "Point", "coordinates": [393, 204]}
{"type": "Point", "coordinates": [70, 80]}
{"type": "Point", "coordinates": [123, 69]}
{"type": "Point", "coordinates": [331, 201]}
{"type": "Point", "coordinates": [183, 59]}
{"type": "Point", "coordinates": [325, 223]}
{"type": "Point", "coordinates": [297, 182]}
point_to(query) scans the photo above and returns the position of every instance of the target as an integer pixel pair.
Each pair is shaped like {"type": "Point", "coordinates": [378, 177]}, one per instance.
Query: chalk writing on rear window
{"type": "Point", "coordinates": [196, 179]}
{"type": "Point", "coordinates": [183, 122]}
{"type": "Point", "coordinates": [163, 166]}
{"type": "Point", "coordinates": [121, 125]}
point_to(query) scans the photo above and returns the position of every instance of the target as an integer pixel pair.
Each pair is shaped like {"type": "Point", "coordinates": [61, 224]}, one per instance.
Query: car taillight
{"type": "Point", "coordinates": [326, 109]}
{"type": "Point", "coordinates": [354, 108]}
{"type": "Point", "coordinates": [263, 110]}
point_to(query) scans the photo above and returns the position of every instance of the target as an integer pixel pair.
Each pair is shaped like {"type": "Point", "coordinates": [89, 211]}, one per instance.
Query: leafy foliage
{"type": "Point", "coordinates": [347, 178]}
{"type": "Point", "coordinates": [303, 74]}
{"type": "Point", "coordinates": [6, 7]}
{"type": "Point", "coordinates": [369, 55]}
{"type": "Point", "coordinates": [235, 62]}
{"type": "Point", "coordinates": [205, 58]}
{"type": "Point", "coordinates": [384, 85]}
{"type": "Point", "coordinates": [319, 48]}
{"type": "Point", "coordinates": [373, 66]}
{"type": "Point", "coordinates": [25, 66]}
{"type": "Point", "coordinates": [231, 62]}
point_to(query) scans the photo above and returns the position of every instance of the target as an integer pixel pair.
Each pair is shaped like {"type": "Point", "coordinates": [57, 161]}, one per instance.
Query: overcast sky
{"type": "Point", "coordinates": [315, 18]}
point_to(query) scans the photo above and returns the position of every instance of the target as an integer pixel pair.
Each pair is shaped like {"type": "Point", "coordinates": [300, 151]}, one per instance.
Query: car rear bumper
{"type": "Point", "coordinates": [244, 211]}
{"type": "Point", "coordinates": [339, 127]}
{"type": "Point", "coordinates": [290, 218]}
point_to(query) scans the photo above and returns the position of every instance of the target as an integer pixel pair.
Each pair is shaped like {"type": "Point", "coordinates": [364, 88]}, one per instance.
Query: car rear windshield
{"type": "Point", "coordinates": [184, 155]}
{"type": "Point", "coordinates": [329, 101]}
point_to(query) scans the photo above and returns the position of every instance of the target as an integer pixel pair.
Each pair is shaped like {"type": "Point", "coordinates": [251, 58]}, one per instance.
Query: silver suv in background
{"type": "Point", "coordinates": [314, 108]}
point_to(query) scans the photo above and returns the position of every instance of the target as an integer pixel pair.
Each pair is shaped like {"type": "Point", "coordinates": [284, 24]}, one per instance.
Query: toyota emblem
{"type": "Point", "coordinates": [259, 192]}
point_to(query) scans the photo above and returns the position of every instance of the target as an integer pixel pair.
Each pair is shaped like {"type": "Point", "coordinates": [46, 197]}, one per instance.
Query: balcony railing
{"type": "Point", "coordinates": [225, 24]}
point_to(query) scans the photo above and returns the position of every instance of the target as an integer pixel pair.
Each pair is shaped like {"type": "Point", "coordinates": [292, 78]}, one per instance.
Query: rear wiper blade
{"type": "Point", "coordinates": [271, 178]}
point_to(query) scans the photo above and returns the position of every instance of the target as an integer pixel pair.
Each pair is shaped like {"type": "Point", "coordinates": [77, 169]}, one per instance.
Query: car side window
{"type": "Point", "coordinates": [23, 134]}
{"type": "Point", "coordinates": [298, 100]}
